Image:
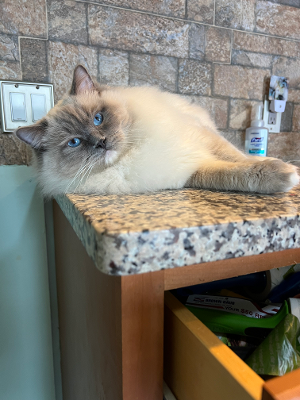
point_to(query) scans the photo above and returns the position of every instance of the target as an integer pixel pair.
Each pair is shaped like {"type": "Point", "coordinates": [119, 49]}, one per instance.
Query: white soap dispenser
{"type": "Point", "coordinates": [256, 143]}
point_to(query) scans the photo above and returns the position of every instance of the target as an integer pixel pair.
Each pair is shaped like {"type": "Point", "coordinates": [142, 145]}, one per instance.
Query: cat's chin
{"type": "Point", "coordinates": [110, 157]}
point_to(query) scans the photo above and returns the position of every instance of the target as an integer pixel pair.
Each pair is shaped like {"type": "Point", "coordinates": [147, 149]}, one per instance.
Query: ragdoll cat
{"type": "Point", "coordinates": [101, 139]}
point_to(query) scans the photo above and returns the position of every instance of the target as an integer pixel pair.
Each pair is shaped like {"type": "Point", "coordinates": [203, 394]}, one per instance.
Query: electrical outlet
{"type": "Point", "coordinates": [272, 121]}
{"type": "Point", "coordinates": [272, 118]}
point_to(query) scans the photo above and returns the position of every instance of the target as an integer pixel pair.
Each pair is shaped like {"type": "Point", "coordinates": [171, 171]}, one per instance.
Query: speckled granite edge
{"type": "Point", "coordinates": [139, 252]}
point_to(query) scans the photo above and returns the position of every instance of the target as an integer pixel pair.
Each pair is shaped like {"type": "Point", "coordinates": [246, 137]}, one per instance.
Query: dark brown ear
{"type": "Point", "coordinates": [82, 82]}
{"type": "Point", "coordinates": [32, 134]}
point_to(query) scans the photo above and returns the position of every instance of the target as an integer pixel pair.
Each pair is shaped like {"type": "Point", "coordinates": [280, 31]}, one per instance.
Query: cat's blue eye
{"type": "Point", "coordinates": [98, 118]}
{"type": "Point", "coordinates": [74, 142]}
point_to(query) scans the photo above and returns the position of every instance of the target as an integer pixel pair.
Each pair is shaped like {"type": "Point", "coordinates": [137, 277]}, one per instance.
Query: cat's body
{"type": "Point", "coordinates": [146, 140]}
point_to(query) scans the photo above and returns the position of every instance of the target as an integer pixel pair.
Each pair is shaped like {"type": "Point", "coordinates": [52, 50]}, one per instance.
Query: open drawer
{"type": "Point", "coordinates": [198, 366]}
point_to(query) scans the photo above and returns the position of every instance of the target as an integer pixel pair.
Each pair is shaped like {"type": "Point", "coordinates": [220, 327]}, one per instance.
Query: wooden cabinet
{"type": "Point", "coordinates": [112, 327]}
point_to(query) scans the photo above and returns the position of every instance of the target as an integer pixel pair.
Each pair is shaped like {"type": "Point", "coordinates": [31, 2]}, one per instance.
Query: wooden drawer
{"type": "Point", "coordinates": [198, 366]}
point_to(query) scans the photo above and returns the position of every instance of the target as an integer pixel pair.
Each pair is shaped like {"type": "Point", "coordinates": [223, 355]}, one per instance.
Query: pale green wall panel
{"type": "Point", "coordinates": [26, 361]}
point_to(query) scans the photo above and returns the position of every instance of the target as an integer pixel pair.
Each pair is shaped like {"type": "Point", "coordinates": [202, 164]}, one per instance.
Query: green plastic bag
{"type": "Point", "coordinates": [279, 353]}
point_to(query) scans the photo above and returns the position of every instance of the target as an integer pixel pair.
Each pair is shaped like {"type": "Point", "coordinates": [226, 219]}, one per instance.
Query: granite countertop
{"type": "Point", "coordinates": [132, 234]}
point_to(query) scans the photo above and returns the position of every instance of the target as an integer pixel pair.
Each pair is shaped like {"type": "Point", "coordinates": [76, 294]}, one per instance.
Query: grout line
{"type": "Point", "coordinates": [98, 65]}
{"type": "Point", "coordinates": [177, 77]}
{"type": "Point", "coordinates": [188, 21]}
{"type": "Point", "coordinates": [292, 115]}
{"type": "Point", "coordinates": [87, 23]}
{"type": "Point", "coordinates": [19, 45]}
{"type": "Point", "coordinates": [231, 46]}
{"type": "Point", "coordinates": [47, 61]}
{"type": "Point", "coordinates": [31, 37]}
{"type": "Point", "coordinates": [212, 85]}
{"type": "Point", "coordinates": [255, 13]}
{"type": "Point", "coordinates": [47, 43]}
{"type": "Point", "coordinates": [129, 67]}
{"type": "Point", "coordinates": [228, 113]}
{"type": "Point", "coordinates": [214, 19]}
{"type": "Point", "coordinates": [47, 22]}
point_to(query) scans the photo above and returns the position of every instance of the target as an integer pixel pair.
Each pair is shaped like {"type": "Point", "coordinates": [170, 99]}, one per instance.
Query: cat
{"type": "Point", "coordinates": [120, 140]}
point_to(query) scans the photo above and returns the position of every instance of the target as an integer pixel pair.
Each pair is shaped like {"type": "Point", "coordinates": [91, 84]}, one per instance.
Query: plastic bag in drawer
{"type": "Point", "coordinates": [279, 353]}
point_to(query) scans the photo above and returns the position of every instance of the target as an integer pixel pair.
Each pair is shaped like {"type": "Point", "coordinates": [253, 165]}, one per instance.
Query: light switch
{"type": "Point", "coordinates": [38, 105]}
{"type": "Point", "coordinates": [23, 103]}
{"type": "Point", "coordinates": [17, 106]}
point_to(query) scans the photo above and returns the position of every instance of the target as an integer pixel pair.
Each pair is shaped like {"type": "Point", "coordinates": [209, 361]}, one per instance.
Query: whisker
{"type": "Point", "coordinates": [86, 172]}
{"type": "Point", "coordinates": [81, 168]}
{"type": "Point", "coordinates": [91, 168]}
{"type": "Point", "coordinates": [81, 178]}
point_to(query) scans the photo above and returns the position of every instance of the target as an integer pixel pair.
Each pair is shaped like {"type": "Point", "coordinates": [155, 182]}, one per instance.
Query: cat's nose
{"type": "Point", "coordinates": [101, 143]}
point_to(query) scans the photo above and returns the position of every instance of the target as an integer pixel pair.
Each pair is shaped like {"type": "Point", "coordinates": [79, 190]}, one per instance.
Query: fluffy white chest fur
{"type": "Point", "coordinates": [169, 142]}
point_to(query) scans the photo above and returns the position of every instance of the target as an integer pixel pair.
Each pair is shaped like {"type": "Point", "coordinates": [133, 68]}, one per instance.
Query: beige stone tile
{"type": "Point", "coordinates": [127, 30]}
{"type": "Point", "coordinates": [277, 19]}
{"type": "Point", "coordinates": [294, 95]}
{"type": "Point", "coordinates": [34, 60]}
{"type": "Point", "coordinates": [238, 14]}
{"type": "Point", "coordinates": [197, 41]}
{"type": "Point", "coordinates": [9, 48]}
{"type": "Point", "coordinates": [248, 18]}
{"type": "Point", "coordinates": [284, 145]}
{"type": "Point", "coordinates": [113, 67]}
{"type": "Point", "coordinates": [240, 82]}
{"type": "Point", "coordinates": [201, 10]}
{"type": "Point", "coordinates": [240, 57]}
{"type": "Point", "coordinates": [12, 150]}
{"type": "Point", "coordinates": [21, 17]}
{"type": "Point", "coordinates": [194, 77]}
{"type": "Point", "coordinates": [288, 67]}
{"type": "Point", "coordinates": [67, 21]}
{"type": "Point", "coordinates": [236, 137]}
{"type": "Point", "coordinates": [265, 44]}
{"type": "Point", "coordinates": [63, 58]}
{"type": "Point", "coordinates": [153, 70]}
{"type": "Point", "coordinates": [218, 45]}
{"type": "Point", "coordinates": [10, 70]}
{"type": "Point", "coordinates": [296, 120]}
{"type": "Point", "coordinates": [175, 8]}
{"type": "Point", "coordinates": [240, 113]}
{"type": "Point", "coordinates": [217, 108]}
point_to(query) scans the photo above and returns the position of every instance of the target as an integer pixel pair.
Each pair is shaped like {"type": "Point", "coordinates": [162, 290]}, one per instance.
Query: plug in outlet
{"type": "Point", "coordinates": [272, 121]}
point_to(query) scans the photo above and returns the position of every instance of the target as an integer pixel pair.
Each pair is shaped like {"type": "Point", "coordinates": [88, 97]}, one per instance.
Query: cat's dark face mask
{"type": "Point", "coordinates": [87, 127]}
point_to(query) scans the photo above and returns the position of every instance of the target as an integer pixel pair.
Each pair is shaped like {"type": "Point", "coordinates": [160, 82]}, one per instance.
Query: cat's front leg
{"type": "Point", "coordinates": [266, 176]}
{"type": "Point", "coordinates": [259, 158]}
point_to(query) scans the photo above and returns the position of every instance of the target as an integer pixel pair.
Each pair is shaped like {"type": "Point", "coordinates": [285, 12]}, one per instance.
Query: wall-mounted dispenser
{"type": "Point", "coordinates": [275, 102]}
{"type": "Point", "coordinates": [23, 103]}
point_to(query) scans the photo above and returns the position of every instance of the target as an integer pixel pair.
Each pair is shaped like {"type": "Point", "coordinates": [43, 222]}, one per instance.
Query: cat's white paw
{"type": "Point", "coordinates": [294, 178]}
{"type": "Point", "coordinates": [275, 176]}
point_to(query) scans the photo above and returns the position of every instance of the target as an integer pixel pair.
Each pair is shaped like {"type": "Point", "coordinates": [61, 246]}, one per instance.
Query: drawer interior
{"type": "Point", "coordinates": [198, 366]}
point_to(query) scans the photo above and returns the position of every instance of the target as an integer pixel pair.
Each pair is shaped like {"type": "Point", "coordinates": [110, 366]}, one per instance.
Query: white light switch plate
{"type": "Point", "coordinates": [23, 103]}
{"type": "Point", "coordinates": [275, 128]}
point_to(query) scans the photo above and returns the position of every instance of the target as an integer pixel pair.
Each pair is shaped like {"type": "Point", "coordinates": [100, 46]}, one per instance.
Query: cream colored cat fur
{"type": "Point", "coordinates": [148, 140]}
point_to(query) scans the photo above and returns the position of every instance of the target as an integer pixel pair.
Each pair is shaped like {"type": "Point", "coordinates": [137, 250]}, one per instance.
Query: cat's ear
{"type": "Point", "coordinates": [33, 134]}
{"type": "Point", "coordinates": [82, 82]}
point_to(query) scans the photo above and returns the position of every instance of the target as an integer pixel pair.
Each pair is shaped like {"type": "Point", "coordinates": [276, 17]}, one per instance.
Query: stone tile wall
{"type": "Point", "coordinates": [218, 53]}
